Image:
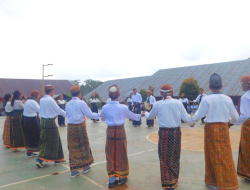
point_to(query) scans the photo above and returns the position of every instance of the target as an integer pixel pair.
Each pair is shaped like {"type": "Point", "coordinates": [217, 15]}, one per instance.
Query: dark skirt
{"type": "Point", "coordinates": [80, 155]}
{"type": "Point", "coordinates": [17, 139]}
{"type": "Point", "coordinates": [116, 152]}
{"type": "Point", "coordinates": [137, 110]}
{"type": "Point", "coordinates": [50, 143]}
{"type": "Point", "coordinates": [150, 122]}
{"type": "Point", "coordinates": [61, 119]}
{"type": "Point", "coordinates": [94, 109]}
{"type": "Point", "coordinates": [185, 106]}
{"type": "Point", "coordinates": [32, 133]}
{"type": "Point", "coordinates": [169, 148]}
{"type": "Point", "coordinates": [243, 169]}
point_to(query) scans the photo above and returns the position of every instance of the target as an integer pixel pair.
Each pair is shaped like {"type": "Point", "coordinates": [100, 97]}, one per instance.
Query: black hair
{"type": "Point", "coordinates": [215, 81]}
{"type": "Point", "coordinates": [75, 94]}
{"type": "Point", "coordinates": [114, 97]}
{"type": "Point", "coordinates": [48, 91]}
{"type": "Point", "coordinates": [6, 99]}
{"type": "Point", "coordinates": [15, 96]}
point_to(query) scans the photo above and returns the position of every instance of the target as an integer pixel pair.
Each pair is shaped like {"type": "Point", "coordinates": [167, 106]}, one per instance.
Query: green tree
{"type": "Point", "coordinates": [89, 85]}
{"type": "Point", "coordinates": [190, 87]}
{"type": "Point", "coordinates": [144, 94]}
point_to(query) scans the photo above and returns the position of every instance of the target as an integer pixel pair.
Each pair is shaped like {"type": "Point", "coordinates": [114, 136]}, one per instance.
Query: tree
{"type": "Point", "coordinates": [144, 94]}
{"type": "Point", "coordinates": [75, 82]}
{"type": "Point", "coordinates": [190, 87]}
{"type": "Point", "coordinates": [89, 85]}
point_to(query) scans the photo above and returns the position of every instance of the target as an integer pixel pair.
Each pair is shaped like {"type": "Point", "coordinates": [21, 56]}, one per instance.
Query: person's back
{"type": "Point", "coordinates": [217, 108]}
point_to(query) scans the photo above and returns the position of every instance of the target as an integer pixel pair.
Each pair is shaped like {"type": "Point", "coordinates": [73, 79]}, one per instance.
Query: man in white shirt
{"type": "Point", "coordinates": [198, 101]}
{"type": "Point", "coordinates": [170, 112]}
{"type": "Point", "coordinates": [136, 103]}
{"type": "Point", "coordinates": [243, 168]}
{"type": "Point", "coordinates": [114, 114]}
{"type": "Point", "coordinates": [151, 101]}
{"type": "Point", "coordinates": [219, 111]}
{"type": "Point", "coordinates": [80, 155]}
{"type": "Point", "coordinates": [32, 123]}
{"type": "Point", "coordinates": [50, 142]}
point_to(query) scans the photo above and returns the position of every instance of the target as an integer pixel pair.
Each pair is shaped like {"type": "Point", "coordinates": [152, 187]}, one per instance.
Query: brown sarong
{"type": "Point", "coordinates": [116, 152]}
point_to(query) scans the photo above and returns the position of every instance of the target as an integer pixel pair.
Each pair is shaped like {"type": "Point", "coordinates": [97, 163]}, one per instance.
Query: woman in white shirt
{"type": "Point", "coordinates": [61, 103]}
{"type": "Point", "coordinates": [8, 112]}
{"type": "Point", "coordinates": [94, 108]}
{"type": "Point", "coordinates": [184, 100]}
{"type": "Point", "coordinates": [17, 139]}
{"type": "Point", "coordinates": [32, 123]}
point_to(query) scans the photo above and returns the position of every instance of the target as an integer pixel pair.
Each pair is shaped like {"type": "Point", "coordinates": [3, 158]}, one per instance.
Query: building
{"type": "Point", "coordinates": [229, 71]}
{"type": "Point", "coordinates": [27, 85]}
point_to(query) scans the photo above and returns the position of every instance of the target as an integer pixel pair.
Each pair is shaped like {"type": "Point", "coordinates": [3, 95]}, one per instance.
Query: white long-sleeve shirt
{"type": "Point", "coordinates": [8, 108]}
{"type": "Point", "coordinates": [170, 112]}
{"type": "Point", "coordinates": [151, 99]}
{"type": "Point", "coordinates": [18, 105]}
{"type": "Point", "coordinates": [185, 100]}
{"type": "Point", "coordinates": [244, 108]}
{"type": "Point", "coordinates": [95, 100]}
{"type": "Point", "coordinates": [31, 108]}
{"type": "Point", "coordinates": [136, 98]}
{"type": "Point", "coordinates": [115, 113]}
{"type": "Point", "coordinates": [198, 99]}
{"type": "Point", "coordinates": [49, 108]}
{"type": "Point", "coordinates": [77, 109]}
{"type": "Point", "coordinates": [217, 108]}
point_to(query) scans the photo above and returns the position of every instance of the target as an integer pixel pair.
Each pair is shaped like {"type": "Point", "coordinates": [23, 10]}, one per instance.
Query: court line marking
{"type": "Point", "coordinates": [32, 179]}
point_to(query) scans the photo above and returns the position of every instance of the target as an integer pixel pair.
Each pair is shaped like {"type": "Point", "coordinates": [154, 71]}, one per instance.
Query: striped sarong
{"type": "Point", "coordinates": [6, 132]}
{"type": "Point", "coordinates": [50, 143]}
{"type": "Point", "coordinates": [116, 152]}
{"type": "Point", "coordinates": [243, 169]}
{"type": "Point", "coordinates": [32, 133]}
{"type": "Point", "coordinates": [219, 164]}
{"type": "Point", "coordinates": [169, 149]}
{"type": "Point", "coordinates": [17, 139]}
{"type": "Point", "coordinates": [80, 155]}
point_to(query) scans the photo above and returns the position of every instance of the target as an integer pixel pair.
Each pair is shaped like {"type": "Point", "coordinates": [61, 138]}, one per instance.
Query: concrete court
{"type": "Point", "coordinates": [19, 172]}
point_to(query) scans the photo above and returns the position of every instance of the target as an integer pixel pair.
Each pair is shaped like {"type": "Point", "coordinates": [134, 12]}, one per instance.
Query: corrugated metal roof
{"type": "Point", "coordinates": [229, 71]}
{"type": "Point", "coordinates": [125, 86]}
{"type": "Point", "coordinates": [27, 85]}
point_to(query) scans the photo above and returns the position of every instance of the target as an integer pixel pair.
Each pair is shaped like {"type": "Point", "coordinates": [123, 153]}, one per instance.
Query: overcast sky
{"type": "Point", "coordinates": [104, 39]}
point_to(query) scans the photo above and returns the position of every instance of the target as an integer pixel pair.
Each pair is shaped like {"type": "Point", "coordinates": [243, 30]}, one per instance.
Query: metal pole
{"type": "Point", "coordinates": [43, 80]}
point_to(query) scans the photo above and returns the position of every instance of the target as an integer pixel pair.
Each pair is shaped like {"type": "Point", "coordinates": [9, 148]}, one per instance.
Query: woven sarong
{"type": "Point", "coordinates": [169, 147]}
{"type": "Point", "coordinates": [80, 155]}
{"type": "Point", "coordinates": [116, 152]}
{"type": "Point", "coordinates": [244, 152]}
{"type": "Point", "coordinates": [32, 133]}
{"type": "Point", "coordinates": [17, 139]}
{"type": "Point", "coordinates": [50, 143]}
{"type": "Point", "coordinates": [6, 132]}
{"type": "Point", "coordinates": [219, 164]}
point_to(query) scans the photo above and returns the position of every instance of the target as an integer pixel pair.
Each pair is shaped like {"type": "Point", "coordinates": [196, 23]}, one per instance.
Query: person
{"type": "Point", "coordinates": [50, 142]}
{"type": "Point", "coordinates": [17, 139]}
{"type": "Point", "coordinates": [129, 101]}
{"type": "Point", "coordinates": [114, 114]}
{"type": "Point", "coordinates": [220, 114]}
{"type": "Point", "coordinates": [136, 103]}
{"type": "Point", "coordinates": [32, 123]}
{"type": "Point", "coordinates": [151, 101]}
{"type": "Point", "coordinates": [8, 111]}
{"type": "Point", "coordinates": [94, 108]}
{"type": "Point", "coordinates": [198, 101]}
{"type": "Point", "coordinates": [184, 101]}
{"type": "Point", "coordinates": [61, 103]}
{"type": "Point", "coordinates": [170, 112]}
{"type": "Point", "coordinates": [243, 169]}
{"type": "Point", "coordinates": [24, 99]}
{"type": "Point", "coordinates": [80, 155]}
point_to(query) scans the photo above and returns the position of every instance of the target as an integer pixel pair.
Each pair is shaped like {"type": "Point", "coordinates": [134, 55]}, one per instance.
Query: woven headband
{"type": "Point", "coordinates": [166, 90]}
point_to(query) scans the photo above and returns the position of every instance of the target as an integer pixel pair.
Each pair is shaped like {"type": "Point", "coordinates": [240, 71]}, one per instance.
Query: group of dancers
{"type": "Point", "coordinates": [217, 110]}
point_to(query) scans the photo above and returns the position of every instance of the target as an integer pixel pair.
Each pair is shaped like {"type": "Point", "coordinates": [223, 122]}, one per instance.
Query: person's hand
{"type": "Point", "coordinates": [230, 124]}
